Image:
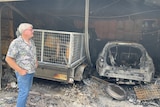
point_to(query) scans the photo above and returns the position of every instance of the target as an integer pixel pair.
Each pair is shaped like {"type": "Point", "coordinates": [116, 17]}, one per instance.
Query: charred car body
{"type": "Point", "coordinates": [125, 62]}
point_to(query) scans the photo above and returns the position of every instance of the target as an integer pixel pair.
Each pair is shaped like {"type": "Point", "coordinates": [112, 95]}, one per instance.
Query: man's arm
{"type": "Point", "coordinates": [11, 62]}
{"type": "Point", "coordinates": [36, 63]}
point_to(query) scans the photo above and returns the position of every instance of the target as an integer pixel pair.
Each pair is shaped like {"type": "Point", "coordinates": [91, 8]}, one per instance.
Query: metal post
{"type": "Point", "coordinates": [86, 31]}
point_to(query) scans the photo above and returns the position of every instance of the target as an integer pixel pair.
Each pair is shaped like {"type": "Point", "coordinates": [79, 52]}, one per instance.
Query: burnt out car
{"type": "Point", "coordinates": [125, 63]}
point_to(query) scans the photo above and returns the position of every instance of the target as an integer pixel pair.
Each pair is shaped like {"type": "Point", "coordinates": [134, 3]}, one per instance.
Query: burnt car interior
{"type": "Point", "coordinates": [124, 56]}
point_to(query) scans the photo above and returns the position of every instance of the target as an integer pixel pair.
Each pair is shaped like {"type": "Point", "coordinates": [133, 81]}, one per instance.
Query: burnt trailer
{"type": "Point", "coordinates": [60, 54]}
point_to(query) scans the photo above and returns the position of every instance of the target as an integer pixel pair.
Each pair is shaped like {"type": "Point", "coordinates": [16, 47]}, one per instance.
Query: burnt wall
{"type": "Point", "coordinates": [7, 29]}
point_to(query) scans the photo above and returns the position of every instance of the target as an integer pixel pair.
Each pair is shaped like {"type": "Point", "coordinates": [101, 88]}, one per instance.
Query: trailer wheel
{"type": "Point", "coordinates": [81, 72]}
{"type": "Point", "coordinates": [86, 72]}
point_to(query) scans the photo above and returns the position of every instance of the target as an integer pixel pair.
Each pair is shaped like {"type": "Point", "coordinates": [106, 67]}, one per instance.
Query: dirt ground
{"type": "Point", "coordinates": [54, 94]}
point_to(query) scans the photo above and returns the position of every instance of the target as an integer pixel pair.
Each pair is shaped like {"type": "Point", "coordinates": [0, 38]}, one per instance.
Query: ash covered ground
{"type": "Point", "coordinates": [90, 93]}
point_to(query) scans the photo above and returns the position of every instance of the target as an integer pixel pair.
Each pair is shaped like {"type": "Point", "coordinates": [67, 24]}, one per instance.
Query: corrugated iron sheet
{"type": "Point", "coordinates": [147, 92]}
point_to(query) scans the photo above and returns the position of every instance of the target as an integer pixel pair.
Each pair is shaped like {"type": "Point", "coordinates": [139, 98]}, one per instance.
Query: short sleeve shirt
{"type": "Point", "coordinates": [23, 53]}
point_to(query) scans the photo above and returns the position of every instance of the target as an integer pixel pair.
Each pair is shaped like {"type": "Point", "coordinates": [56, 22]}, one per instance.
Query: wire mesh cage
{"type": "Point", "coordinates": [58, 47]}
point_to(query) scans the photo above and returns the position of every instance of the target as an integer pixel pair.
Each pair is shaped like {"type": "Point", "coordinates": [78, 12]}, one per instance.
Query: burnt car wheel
{"type": "Point", "coordinates": [116, 92]}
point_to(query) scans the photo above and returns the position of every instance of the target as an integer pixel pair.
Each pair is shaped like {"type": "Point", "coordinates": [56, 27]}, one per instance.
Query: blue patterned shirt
{"type": "Point", "coordinates": [23, 53]}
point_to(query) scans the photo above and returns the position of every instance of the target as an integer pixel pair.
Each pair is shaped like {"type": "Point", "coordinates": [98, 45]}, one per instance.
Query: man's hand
{"type": "Point", "coordinates": [22, 72]}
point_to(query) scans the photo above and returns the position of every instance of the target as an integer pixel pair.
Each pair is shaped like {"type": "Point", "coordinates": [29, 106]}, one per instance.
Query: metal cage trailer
{"type": "Point", "coordinates": [61, 55]}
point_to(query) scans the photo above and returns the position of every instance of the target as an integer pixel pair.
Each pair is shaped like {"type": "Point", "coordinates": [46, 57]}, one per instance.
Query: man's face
{"type": "Point", "coordinates": [28, 32]}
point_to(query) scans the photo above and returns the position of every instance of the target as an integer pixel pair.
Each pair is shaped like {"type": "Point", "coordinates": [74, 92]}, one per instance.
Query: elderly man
{"type": "Point", "coordinates": [21, 56]}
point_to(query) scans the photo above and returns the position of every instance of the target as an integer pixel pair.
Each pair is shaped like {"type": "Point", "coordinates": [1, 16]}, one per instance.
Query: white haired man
{"type": "Point", "coordinates": [21, 56]}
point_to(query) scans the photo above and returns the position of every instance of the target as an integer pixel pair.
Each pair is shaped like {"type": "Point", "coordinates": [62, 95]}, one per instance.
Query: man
{"type": "Point", "coordinates": [21, 56]}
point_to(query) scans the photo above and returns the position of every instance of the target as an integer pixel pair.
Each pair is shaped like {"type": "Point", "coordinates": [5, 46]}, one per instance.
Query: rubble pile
{"type": "Point", "coordinates": [90, 93]}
